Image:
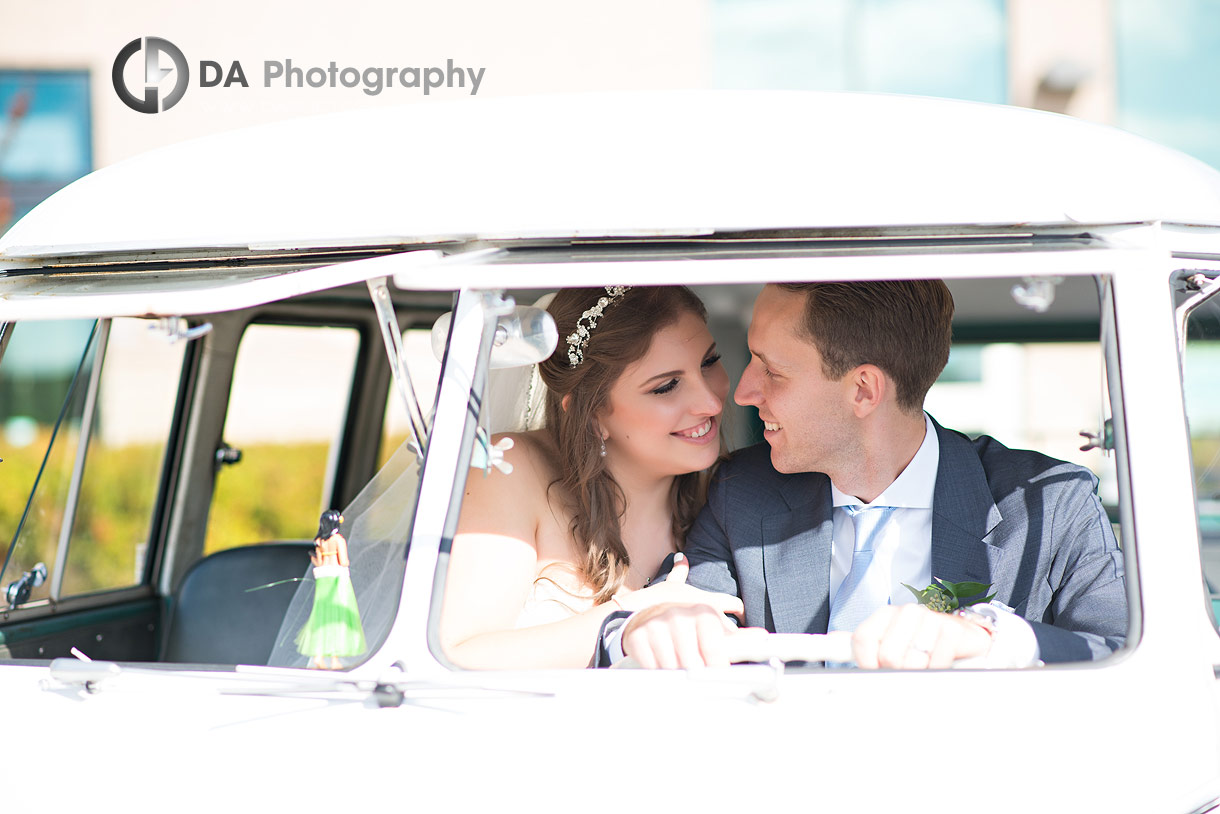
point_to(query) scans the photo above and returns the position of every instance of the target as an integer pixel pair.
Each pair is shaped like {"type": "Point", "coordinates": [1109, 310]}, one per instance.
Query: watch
{"type": "Point", "coordinates": [984, 616]}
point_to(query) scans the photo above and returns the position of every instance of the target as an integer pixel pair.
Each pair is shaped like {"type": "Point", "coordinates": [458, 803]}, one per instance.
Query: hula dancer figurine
{"type": "Point", "coordinates": [333, 628]}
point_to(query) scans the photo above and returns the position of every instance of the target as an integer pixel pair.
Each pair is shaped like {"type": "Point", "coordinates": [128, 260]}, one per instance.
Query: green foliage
{"type": "Point", "coordinates": [113, 517]}
{"type": "Point", "coordinates": [273, 493]}
{"type": "Point", "coordinates": [42, 524]}
{"type": "Point", "coordinates": [947, 597]}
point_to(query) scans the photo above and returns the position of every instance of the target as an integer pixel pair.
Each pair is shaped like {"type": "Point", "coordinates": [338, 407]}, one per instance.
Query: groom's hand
{"type": "Point", "coordinates": [912, 637]}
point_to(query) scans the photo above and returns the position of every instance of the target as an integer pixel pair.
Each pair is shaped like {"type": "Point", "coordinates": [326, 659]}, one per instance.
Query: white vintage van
{"type": "Point", "coordinates": [203, 347]}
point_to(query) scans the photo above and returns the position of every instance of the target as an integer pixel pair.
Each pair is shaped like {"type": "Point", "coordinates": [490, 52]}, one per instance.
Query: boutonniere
{"type": "Point", "coordinates": [947, 597]}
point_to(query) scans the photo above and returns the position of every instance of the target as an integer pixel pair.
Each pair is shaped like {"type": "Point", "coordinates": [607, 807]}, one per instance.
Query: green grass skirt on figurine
{"type": "Point", "coordinates": [333, 628]}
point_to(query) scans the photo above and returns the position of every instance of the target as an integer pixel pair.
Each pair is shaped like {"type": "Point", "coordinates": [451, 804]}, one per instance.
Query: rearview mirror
{"type": "Point", "coordinates": [525, 336]}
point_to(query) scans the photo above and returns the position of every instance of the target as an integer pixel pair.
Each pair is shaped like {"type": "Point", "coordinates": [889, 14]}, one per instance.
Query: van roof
{"type": "Point", "coordinates": [624, 164]}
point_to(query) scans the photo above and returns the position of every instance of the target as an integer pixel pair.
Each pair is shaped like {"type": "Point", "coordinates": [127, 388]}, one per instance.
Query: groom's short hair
{"type": "Point", "coordinates": [904, 327]}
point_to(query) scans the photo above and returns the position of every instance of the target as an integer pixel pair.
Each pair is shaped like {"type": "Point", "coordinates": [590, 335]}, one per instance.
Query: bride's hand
{"type": "Point", "coordinates": [673, 590]}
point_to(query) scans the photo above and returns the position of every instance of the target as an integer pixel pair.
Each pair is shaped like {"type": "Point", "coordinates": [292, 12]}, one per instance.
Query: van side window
{"type": "Point", "coordinates": [1201, 377]}
{"type": "Point", "coordinates": [86, 513]}
{"type": "Point", "coordinates": [425, 371]}
{"type": "Point", "coordinates": [1036, 395]}
{"type": "Point", "coordinates": [287, 407]}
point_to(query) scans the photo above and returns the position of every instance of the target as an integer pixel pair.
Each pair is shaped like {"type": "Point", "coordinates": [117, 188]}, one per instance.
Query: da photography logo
{"type": "Point", "coordinates": [157, 52]}
{"type": "Point", "coordinates": [145, 91]}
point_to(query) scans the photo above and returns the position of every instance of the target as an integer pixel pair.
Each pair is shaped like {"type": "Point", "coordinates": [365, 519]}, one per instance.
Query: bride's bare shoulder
{"type": "Point", "coordinates": [531, 457]}
{"type": "Point", "coordinates": [533, 451]}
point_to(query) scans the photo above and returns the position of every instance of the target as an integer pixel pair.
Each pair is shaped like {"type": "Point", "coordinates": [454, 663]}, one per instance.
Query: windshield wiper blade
{"type": "Point", "coordinates": [283, 682]}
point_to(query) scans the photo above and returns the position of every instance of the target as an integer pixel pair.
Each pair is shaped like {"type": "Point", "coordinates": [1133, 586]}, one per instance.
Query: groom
{"type": "Point", "coordinates": [858, 491]}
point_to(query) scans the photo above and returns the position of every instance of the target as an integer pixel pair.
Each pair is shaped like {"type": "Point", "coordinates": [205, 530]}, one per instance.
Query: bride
{"type": "Point", "coordinates": [599, 497]}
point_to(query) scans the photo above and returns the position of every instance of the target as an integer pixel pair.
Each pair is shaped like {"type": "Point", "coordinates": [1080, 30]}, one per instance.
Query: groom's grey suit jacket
{"type": "Point", "coordinates": [1030, 526]}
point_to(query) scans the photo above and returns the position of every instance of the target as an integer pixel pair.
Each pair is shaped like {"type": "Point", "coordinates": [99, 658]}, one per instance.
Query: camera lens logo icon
{"type": "Point", "coordinates": [154, 49]}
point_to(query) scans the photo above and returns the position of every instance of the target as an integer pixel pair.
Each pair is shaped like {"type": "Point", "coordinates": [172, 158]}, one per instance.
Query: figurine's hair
{"type": "Point", "coordinates": [593, 498]}
{"type": "Point", "coordinates": [329, 523]}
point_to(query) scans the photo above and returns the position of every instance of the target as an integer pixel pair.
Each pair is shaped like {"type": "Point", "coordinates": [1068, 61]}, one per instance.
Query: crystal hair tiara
{"type": "Point", "coordinates": [579, 339]}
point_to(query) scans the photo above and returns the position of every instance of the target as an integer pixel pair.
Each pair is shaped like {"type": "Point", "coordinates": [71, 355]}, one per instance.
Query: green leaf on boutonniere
{"type": "Point", "coordinates": [946, 597]}
{"type": "Point", "coordinates": [964, 589]}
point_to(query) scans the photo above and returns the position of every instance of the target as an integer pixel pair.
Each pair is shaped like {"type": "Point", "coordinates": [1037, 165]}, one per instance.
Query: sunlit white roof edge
{"type": "Point", "coordinates": [183, 293]}
{"type": "Point", "coordinates": [620, 164]}
{"type": "Point", "coordinates": [481, 274]}
{"type": "Point", "coordinates": [40, 297]}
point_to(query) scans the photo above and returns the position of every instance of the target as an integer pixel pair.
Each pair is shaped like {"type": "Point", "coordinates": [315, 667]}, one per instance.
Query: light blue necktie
{"type": "Point", "coordinates": [864, 589]}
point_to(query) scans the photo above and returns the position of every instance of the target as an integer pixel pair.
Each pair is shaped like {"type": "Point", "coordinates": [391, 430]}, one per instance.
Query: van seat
{"type": "Point", "coordinates": [216, 619]}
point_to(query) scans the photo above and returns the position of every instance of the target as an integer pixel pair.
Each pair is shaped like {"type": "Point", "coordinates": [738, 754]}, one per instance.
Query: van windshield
{"type": "Point", "coordinates": [1026, 382]}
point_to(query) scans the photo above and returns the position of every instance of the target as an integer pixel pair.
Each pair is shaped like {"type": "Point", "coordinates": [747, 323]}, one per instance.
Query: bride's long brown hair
{"type": "Point", "coordinates": [592, 496]}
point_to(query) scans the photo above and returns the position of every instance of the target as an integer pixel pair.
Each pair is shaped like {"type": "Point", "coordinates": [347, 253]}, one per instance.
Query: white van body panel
{"type": "Point", "coordinates": [1138, 732]}
{"type": "Point", "coordinates": [585, 166]}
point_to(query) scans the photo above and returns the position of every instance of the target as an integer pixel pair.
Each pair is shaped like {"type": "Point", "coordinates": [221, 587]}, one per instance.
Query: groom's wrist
{"type": "Point", "coordinates": [610, 639]}
{"type": "Point", "coordinates": [1013, 643]}
{"type": "Point", "coordinates": [984, 617]}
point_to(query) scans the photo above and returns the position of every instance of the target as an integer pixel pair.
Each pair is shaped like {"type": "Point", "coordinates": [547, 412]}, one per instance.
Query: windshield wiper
{"type": "Point", "coordinates": [93, 676]}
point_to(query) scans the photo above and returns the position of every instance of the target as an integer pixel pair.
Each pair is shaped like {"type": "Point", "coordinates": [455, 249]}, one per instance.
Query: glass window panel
{"type": "Point", "coordinates": [952, 48]}
{"type": "Point", "coordinates": [1029, 395]}
{"type": "Point", "coordinates": [786, 44]}
{"type": "Point", "coordinates": [425, 371]}
{"type": "Point", "coordinates": [122, 475]}
{"type": "Point", "coordinates": [1202, 389]}
{"type": "Point", "coordinates": [287, 407]}
{"type": "Point", "coordinates": [45, 130]}
{"type": "Point", "coordinates": [39, 382]}
{"type": "Point", "coordinates": [1167, 55]}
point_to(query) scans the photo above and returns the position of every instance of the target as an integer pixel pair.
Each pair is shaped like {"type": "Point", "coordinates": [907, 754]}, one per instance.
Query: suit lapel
{"type": "Point", "coordinates": [796, 556]}
{"type": "Point", "coordinates": [964, 514]}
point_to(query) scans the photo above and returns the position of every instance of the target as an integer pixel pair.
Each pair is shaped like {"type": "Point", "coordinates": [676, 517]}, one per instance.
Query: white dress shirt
{"type": "Point", "coordinates": [904, 549]}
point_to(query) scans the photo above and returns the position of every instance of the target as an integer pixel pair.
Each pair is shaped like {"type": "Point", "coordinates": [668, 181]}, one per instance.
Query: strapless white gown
{"type": "Point", "coordinates": [549, 602]}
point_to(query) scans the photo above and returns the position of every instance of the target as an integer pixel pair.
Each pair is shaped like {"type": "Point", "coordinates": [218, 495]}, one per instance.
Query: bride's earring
{"type": "Point", "coordinates": [603, 447]}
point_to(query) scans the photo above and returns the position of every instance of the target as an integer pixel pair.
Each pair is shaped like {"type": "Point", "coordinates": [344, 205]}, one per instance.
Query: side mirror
{"type": "Point", "coordinates": [18, 593]}
{"type": "Point", "coordinates": [524, 336]}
